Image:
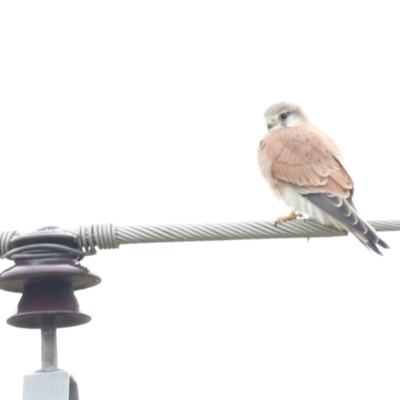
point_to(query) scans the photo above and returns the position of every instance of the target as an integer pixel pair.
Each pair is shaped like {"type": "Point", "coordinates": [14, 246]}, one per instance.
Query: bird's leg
{"type": "Point", "coordinates": [291, 216]}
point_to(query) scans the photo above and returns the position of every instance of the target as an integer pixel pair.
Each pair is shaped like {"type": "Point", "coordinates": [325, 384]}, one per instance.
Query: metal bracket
{"type": "Point", "coordinates": [55, 385]}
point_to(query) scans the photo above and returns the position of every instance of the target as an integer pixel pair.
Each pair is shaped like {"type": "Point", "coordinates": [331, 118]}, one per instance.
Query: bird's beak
{"type": "Point", "coordinates": [271, 122]}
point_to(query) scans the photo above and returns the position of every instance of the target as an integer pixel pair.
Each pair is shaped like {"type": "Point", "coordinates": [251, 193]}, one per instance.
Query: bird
{"type": "Point", "coordinates": [305, 169]}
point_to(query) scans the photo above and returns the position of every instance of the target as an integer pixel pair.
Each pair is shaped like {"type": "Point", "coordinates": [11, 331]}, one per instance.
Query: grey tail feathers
{"type": "Point", "coordinates": [344, 212]}
{"type": "Point", "coordinates": [373, 246]}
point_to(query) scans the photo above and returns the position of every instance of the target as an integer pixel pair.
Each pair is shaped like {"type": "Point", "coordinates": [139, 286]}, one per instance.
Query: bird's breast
{"type": "Point", "coordinates": [265, 164]}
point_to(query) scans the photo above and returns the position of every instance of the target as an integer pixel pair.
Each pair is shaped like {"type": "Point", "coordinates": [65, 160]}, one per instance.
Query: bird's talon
{"type": "Point", "coordinates": [291, 216]}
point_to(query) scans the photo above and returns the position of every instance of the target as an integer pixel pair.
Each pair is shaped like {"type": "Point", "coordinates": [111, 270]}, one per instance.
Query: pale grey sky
{"type": "Point", "coordinates": [151, 112]}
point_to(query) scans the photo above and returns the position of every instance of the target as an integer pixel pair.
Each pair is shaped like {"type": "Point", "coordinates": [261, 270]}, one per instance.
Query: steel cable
{"type": "Point", "coordinates": [109, 236]}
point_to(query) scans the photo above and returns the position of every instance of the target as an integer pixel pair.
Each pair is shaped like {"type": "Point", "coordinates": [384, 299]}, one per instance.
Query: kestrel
{"type": "Point", "coordinates": [304, 168]}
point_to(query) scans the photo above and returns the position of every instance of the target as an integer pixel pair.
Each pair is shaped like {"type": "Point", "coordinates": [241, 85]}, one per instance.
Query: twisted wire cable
{"type": "Point", "coordinates": [109, 236]}
{"type": "Point", "coordinates": [236, 231]}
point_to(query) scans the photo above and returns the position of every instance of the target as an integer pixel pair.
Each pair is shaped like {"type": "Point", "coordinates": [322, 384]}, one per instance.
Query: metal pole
{"type": "Point", "coordinates": [49, 343]}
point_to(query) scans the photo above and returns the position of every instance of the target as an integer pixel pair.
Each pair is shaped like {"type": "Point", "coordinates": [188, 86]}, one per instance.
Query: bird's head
{"type": "Point", "coordinates": [284, 114]}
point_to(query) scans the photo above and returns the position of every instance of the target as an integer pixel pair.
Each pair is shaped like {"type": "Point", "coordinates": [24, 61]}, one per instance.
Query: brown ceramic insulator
{"type": "Point", "coordinates": [49, 298]}
{"type": "Point", "coordinates": [47, 284]}
{"type": "Point", "coordinates": [38, 270]}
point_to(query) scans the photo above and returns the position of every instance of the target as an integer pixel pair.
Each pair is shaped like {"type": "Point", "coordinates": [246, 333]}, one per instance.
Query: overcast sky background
{"type": "Point", "coordinates": [151, 113]}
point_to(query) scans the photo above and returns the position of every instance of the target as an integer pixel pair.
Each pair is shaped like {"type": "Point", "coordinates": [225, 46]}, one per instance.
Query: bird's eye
{"type": "Point", "coordinates": [283, 116]}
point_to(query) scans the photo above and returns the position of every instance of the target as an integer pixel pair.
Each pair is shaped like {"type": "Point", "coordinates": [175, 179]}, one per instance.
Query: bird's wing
{"type": "Point", "coordinates": [308, 159]}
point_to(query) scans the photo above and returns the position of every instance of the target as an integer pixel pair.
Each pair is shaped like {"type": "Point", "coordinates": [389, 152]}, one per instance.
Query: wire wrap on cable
{"type": "Point", "coordinates": [5, 238]}
{"type": "Point", "coordinates": [109, 236]}
{"type": "Point", "coordinates": [101, 236]}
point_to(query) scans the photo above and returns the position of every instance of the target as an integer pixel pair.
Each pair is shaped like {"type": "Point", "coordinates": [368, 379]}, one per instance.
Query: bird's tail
{"type": "Point", "coordinates": [370, 238]}
{"type": "Point", "coordinates": [344, 212]}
